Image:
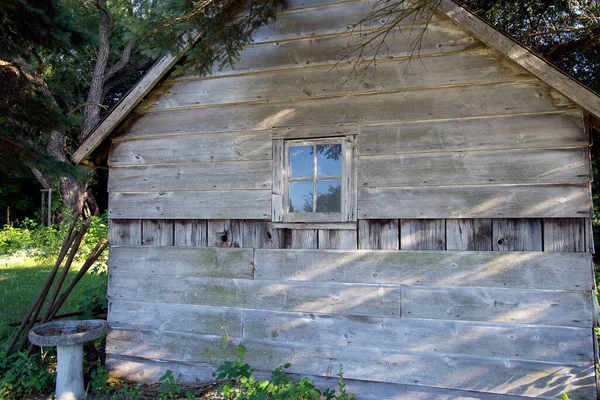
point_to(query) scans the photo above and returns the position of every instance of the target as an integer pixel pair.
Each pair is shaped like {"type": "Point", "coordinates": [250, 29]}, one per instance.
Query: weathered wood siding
{"type": "Point", "coordinates": [516, 323]}
{"type": "Point", "coordinates": [458, 133]}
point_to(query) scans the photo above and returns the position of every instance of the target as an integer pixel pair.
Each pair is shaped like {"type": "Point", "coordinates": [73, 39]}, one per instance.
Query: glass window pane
{"type": "Point", "coordinates": [301, 196]}
{"type": "Point", "coordinates": [301, 162]}
{"type": "Point", "coordinates": [329, 196]}
{"type": "Point", "coordinates": [329, 160]}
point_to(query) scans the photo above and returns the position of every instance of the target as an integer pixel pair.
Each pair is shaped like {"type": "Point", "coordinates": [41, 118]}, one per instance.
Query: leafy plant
{"type": "Point", "coordinates": [23, 375]}
{"type": "Point", "coordinates": [241, 383]}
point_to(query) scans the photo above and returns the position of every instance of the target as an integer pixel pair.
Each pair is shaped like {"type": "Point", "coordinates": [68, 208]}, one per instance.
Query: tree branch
{"type": "Point", "coordinates": [122, 63]}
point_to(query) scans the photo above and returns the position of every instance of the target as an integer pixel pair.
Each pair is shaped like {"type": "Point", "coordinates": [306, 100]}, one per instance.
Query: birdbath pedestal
{"type": "Point", "coordinates": [68, 337]}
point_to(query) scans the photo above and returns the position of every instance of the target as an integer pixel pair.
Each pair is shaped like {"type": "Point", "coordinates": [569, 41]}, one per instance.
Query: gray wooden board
{"type": "Point", "coordinates": [277, 182]}
{"type": "Point", "coordinates": [181, 261]}
{"type": "Point", "coordinates": [149, 371]}
{"type": "Point", "coordinates": [477, 201]}
{"type": "Point", "coordinates": [239, 146]}
{"type": "Point", "coordinates": [552, 308]}
{"type": "Point", "coordinates": [314, 131]}
{"type": "Point", "coordinates": [564, 234]}
{"type": "Point", "coordinates": [303, 239]}
{"type": "Point", "coordinates": [175, 318]}
{"type": "Point", "coordinates": [125, 231]}
{"type": "Point", "coordinates": [225, 233]}
{"type": "Point", "coordinates": [533, 270]}
{"type": "Point", "coordinates": [423, 234]}
{"type": "Point", "coordinates": [209, 176]}
{"type": "Point", "coordinates": [510, 132]}
{"type": "Point", "coordinates": [440, 37]}
{"type": "Point", "coordinates": [337, 239]}
{"type": "Point", "coordinates": [475, 168]}
{"type": "Point", "coordinates": [157, 233]}
{"type": "Point", "coordinates": [496, 375]}
{"type": "Point", "coordinates": [190, 232]}
{"type": "Point", "coordinates": [428, 71]}
{"type": "Point", "coordinates": [469, 234]}
{"type": "Point", "coordinates": [262, 235]}
{"type": "Point", "coordinates": [335, 19]}
{"type": "Point", "coordinates": [378, 234]}
{"type": "Point", "coordinates": [514, 234]}
{"type": "Point", "coordinates": [240, 204]}
{"type": "Point", "coordinates": [414, 105]}
{"type": "Point", "coordinates": [554, 344]}
{"type": "Point", "coordinates": [315, 297]}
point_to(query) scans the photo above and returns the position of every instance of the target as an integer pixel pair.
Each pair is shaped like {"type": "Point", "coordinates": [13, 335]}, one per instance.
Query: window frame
{"type": "Point", "coordinates": [281, 182]}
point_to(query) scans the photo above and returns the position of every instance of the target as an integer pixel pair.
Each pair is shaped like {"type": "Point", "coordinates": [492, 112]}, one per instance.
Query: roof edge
{"type": "Point", "coordinates": [131, 100]}
{"type": "Point", "coordinates": [523, 56]}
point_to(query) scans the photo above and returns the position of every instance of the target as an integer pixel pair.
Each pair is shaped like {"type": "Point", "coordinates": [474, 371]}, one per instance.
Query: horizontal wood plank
{"type": "Point", "coordinates": [494, 201]}
{"type": "Point", "coordinates": [459, 372]}
{"type": "Point", "coordinates": [209, 262]}
{"type": "Point", "coordinates": [509, 98]}
{"type": "Point", "coordinates": [509, 132]}
{"type": "Point", "coordinates": [149, 371]}
{"type": "Point", "coordinates": [241, 146]}
{"type": "Point", "coordinates": [209, 176]}
{"type": "Point", "coordinates": [311, 297]}
{"type": "Point", "coordinates": [552, 308]}
{"type": "Point", "coordinates": [534, 270]}
{"type": "Point", "coordinates": [242, 204]}
{"type": "Point", "coordinates": [475, 168]}
{"type": "Point", "coordinates": [441, 37]}
{"type": "Point", "coordinates": [554, 344]}
{"type": "Point", "coordinates": [447, 70]}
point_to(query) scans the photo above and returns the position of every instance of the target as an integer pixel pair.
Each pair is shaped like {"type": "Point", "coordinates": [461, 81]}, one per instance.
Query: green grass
{"type": "Point", "coordinates": [21, 279]}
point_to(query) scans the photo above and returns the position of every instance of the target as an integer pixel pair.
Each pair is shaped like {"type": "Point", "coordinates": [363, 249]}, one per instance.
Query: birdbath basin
{"type": "Point", "coordinates": [68, 337]}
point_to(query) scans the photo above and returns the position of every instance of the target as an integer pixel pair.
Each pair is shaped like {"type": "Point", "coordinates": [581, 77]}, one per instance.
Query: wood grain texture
{"type": "Point", "coordinates": [157, 233]}
{"type": "Point", "coordinates": [337, 239]}
{"type": "Point", "coordinates": [148, 371]}
{"type": "Point", "coordinates": [225, 233]}
{"type": "Point", "coordinates": [182, 261]}
{"type": "Point", "coordinates": [344, 226]}
{"type": "Point", "coordinates": [314, 131]}
{"type": "Point", "coordinates": [190, 233]}
{"type": "Point", "coordinates": [240, 146]}
{"type": "Point", "coordinates": [244, 204]}
{"type": "Point", "coordinates": [210, 176]}
{"type": "Point", "coordinates": [517, 234]}
{"type": "Point", "coordinates": [302, 239]}
{"type": "Point", "coordinates": [496, 201]}
{"type": "Point", "coordinates": [311, 297]}
{"type": "Point", "coordinates": [509, 98]}
{"type": "Point", "coordinates": [510, 132]}
{"type": "Point", "coordinates": [278, 183]}
{"type": "Point", "coordinates": [469, 234]}
{"type": "Point", "coordinates": [564, 234]}
{"type": "Point", "coordinates": [423, 234]}
{"type": "Point", "coordinates": [378, 234]}
{"type": "Point", "coordinates": [522, 56]}
{"type": "Point", "coordinates": [262, 235]}
{"type": "Point", "coordinates": [441, 37]}
{"type": "Point", "coordinates": [540, 343]}
{"type": "Point", "coordinates": [475, 168]}
{"type": "Point", "coordinates": [125, 232]}
{"type": "Point", "coordinates": [471, 373]}
{"type": "Point", "coordinates": [552, 308]}
{"type": "Point", "coordinates": [526, 270]}
{"type": "Point", "coordinates": [428, 71]}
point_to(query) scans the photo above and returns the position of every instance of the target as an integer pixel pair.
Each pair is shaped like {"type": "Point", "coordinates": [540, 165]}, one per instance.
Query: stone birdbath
{"type": "Point", "coordinates": [68, 337]}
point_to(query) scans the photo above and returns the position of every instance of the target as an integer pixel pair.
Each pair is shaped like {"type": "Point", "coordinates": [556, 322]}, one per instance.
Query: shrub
{"type": "Point", "coordinates": [23, 375]}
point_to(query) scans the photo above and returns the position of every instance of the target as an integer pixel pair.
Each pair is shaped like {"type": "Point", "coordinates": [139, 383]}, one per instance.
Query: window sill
{"type": "Point", "coordinates": [314, 225]}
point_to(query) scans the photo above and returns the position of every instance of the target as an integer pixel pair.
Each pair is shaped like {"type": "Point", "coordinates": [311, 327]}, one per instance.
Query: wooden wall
{"type": "Point", "coordinates": [534, 234]}
{"type": "Point", "coordinates": [517, 323]}
{"type": "Point", "coordinates": [458, 133]}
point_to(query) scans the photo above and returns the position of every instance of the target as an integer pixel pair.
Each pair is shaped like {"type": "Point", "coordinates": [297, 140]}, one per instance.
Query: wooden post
{"type": "Point", "coordinates": [42, 206]}
{"type": "Point", "coordinates": [7, 215]}
{"type": "Point", "coordinates": [49, 207]}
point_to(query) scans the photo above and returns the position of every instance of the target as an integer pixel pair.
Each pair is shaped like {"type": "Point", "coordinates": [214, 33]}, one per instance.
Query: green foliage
{"type": "Point", "coordinates": [565, 397]}
{"type": "Point", "coordinates": [279, 386]}
{"type": "Point", "coordinates": [99, 386]}
{"type": "Point", "coordinates": [23, 375]}
{"type": "Point", "coordinates": [33, 240]}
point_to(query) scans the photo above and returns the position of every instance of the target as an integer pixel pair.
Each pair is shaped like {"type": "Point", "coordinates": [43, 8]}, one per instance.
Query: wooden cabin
{"type": "Point", "coordinates": [425, 224]}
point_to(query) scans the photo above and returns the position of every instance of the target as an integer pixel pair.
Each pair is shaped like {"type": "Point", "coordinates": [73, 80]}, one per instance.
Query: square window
{"type": "Point", "coordinates": [316, 182]}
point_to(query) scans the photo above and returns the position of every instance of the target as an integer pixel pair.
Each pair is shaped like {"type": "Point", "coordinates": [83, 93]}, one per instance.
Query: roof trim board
{"type": "Point", "coordinates": [479, 28]}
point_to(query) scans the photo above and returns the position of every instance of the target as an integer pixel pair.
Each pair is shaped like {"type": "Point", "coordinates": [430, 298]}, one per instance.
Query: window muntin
{"type": "Point", "coordinates": [314, 179]}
